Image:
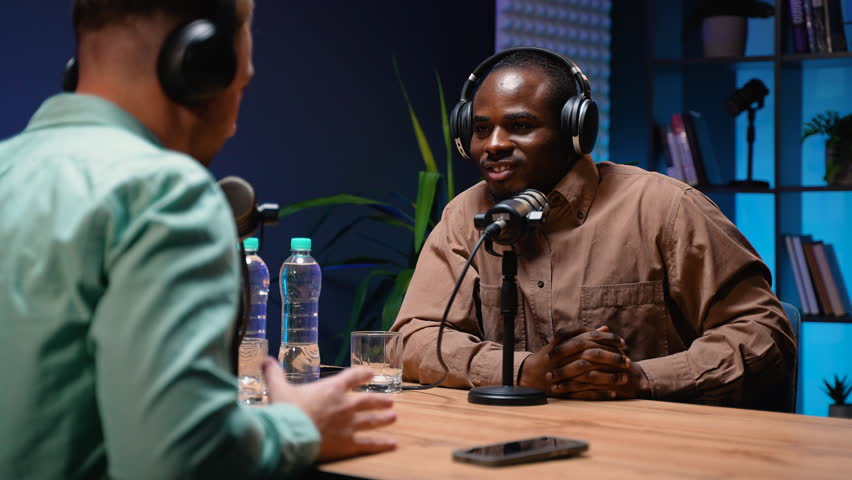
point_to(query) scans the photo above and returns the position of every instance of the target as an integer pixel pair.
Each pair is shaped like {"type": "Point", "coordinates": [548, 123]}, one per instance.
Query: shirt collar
{"type": "Point", "coordinates": [577, 188]}
{"type": "Point", "coordinates": [69, 109]}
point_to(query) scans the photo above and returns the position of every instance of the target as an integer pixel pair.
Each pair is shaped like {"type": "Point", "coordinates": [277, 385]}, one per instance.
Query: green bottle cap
{"type": "Point", "coordinates": [251, 243]}
{"type": "Point", "coordinates": [300, 244]}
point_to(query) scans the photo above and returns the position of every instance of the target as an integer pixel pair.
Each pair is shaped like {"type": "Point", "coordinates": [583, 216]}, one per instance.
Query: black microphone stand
{"type": "Point", "coordinates": [507, 393]}
{"type": "Point", "coordinates": [750, 137]}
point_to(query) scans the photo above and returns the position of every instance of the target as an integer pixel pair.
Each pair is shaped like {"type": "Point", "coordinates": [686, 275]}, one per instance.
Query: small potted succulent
{"type": "Point", "coordinates": [838, 145]}
{"type": "Point", "coordinates": [725, 24]}
{"type": "Point", "coordinates": [838, 392]}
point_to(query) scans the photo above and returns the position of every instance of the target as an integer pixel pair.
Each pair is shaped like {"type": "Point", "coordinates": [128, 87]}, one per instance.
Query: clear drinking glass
{"type": "Point", "coordinates": [382, 352]}
{"type": "Point", "coordinates": [250, 376]}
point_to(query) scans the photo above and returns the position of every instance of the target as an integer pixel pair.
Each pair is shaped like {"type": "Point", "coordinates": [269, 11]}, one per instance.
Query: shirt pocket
{"type": "Point", "coordinates": [492, 319]}
{"type": "Point", "coordinates": [634, 311]}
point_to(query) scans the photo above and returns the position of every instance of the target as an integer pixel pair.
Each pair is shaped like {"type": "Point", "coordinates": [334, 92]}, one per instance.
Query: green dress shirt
{"type": "Point", "coordinates": [118, 289]}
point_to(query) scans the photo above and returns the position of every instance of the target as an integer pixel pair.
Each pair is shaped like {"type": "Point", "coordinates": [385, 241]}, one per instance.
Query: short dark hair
{"type": "Point", "coordinates": [91, 15]}
{"type": "Point", "coordinates": [562, 84]}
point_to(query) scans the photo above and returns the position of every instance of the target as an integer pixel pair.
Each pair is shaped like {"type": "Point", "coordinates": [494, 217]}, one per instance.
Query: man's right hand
{"type": "Point", "coordinates": [588, 356]}
{"type": "Point", "coordinates": [337, 412]}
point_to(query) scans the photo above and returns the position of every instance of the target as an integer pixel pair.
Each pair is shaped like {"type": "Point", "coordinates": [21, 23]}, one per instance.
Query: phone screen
{"type": "Point", "coordinates": [529, 449]}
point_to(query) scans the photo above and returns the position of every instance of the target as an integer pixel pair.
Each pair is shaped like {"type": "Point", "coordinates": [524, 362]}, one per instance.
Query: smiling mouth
{"type": "Point", "coordinates": [498, 172]}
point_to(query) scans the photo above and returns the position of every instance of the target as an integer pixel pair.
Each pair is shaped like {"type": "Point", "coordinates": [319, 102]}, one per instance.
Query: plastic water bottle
{"type": "Point", "coordinates": [301, 279]}
{"type": "Point", "coordinates": [255, 345]}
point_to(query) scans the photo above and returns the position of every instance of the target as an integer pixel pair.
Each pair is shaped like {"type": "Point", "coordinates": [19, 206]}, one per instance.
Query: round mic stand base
{"type": "Point", "coordinates": [506, 395]}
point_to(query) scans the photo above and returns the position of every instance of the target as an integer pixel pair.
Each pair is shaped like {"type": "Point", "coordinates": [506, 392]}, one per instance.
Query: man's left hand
{"type": "Point", "coordinates": [603, 385]}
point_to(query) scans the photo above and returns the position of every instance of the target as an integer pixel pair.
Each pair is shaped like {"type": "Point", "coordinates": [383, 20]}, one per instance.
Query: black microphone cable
{"type": "Point", "coordinates": [490, 230]}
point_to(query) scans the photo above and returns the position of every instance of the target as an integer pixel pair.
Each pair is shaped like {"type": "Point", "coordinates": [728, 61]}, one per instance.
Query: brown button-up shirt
{"type": "Point", "coordinates": [646, 255]}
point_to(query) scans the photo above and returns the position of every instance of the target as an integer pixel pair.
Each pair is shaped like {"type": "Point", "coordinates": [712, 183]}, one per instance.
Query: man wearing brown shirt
{"type": "Point", "coordinates": [635, 286]}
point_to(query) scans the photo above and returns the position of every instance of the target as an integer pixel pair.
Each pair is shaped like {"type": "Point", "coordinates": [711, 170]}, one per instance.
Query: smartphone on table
{"type": "Point", "coordinates": [521, 451]}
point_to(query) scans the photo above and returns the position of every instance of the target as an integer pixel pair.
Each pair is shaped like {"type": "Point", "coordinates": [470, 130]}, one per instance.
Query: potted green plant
{"type": "Point", "coordinates": [725, 24]}
{"type": "Point", "coordinates": [389, 268]}
{"type": "Point", "coordinates": [838, 392]}
{"type": "Point", "coordinates": [838, 145]}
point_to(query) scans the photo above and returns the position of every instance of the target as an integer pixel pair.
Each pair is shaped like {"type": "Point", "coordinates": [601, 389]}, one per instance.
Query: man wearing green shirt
{"type": "Point", "coordinates": [120, 274]}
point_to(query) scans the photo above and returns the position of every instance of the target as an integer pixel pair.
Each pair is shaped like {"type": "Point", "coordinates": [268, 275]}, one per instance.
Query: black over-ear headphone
{"type": "Point", "coordinates": [579, 114]}
{"type": "Point", "coordinates": [197, 60]}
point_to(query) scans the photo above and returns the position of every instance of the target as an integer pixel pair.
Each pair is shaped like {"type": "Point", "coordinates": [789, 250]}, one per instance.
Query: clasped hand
{"type": "Point", "coordinates": [585, 364]}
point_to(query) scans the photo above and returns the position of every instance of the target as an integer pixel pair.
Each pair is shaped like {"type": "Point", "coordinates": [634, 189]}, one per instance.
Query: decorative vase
{"type": "Point", "coordinates": [725, 36]}
{"type": "Point", "coordinates": [840, 411]}
{"type": "Point", "coordinates": [833, 156]}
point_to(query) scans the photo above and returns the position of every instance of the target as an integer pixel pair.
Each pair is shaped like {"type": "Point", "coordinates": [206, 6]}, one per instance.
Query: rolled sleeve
{"type": "Point", "coordinates": [669, 376]}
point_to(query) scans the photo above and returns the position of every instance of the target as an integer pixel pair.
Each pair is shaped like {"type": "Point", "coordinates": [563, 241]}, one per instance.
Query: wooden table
{"type": "Point", "coordinates": [628, 439]}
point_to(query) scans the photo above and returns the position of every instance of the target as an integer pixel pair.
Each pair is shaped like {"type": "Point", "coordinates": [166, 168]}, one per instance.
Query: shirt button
{"type": "Point", "coordinates": [540, 284]}
{"type": "Point", "coordinates": [580, 215]}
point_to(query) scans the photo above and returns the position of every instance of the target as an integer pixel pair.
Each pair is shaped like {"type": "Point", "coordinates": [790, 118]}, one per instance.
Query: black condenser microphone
{"type": "Point", "coordinates": [247, 214]}
{"type": "Point", "coordinates": [515, 216]}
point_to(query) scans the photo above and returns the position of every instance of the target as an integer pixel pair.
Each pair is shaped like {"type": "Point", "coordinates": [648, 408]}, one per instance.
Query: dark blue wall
{"type": "Point", "coordinates": [629, 84]}
{"type": "Point", "coordinates": [323, 116]}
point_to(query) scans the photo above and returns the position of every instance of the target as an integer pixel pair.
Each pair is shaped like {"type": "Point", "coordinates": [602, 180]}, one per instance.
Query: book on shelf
{"type": "Point", "coordinates": [820, 35]}
{"type": "Point", "coordinates": [704, 143]}
{"type": "Point", "coordinates": [817, 276]}
{"type": "Point", "coordinates": [834, 267]}
{"type": "Point", "coordinates": [834, 25]}
{"type": "Point", "coordinates": [689, 150]}
{"type": "Point", "coordinates": [694, 149]}
{"type": "Point", "coordinates": [797, 21]}
{"type": "Point", "coordinates": [682, 145]}
{"type": "Point", "coordinates": [807, 295]}
{"type": "Point", "coordinates": [674, 168]}
{"type": "Point", "coordinates": [814, 41]}
{"type": "Point", "coordinates": [797, 275]}
{"type": "Point", "coordinates": [817, 26]}
{"type": "Point", "coordinates": [828, 278]}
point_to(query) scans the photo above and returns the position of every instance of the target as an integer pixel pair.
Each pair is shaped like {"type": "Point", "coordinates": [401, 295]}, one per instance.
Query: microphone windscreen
{"type": "Point", "coordinates": [518, 213]}
{"type": "Point", "coordinates": [241, 198]}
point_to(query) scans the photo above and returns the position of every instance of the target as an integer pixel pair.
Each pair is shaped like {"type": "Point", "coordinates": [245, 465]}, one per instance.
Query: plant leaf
{"type": "Point", "coordinates": [340, 233]}
{"type": "Point", "coordinates": [394, 300]}
{"type": "Point", "coordinates": [392, 211]}
{"type": "Point", "coordinates": [372, 321]}
{"type": "Point", "coordinates": [333, 200]}
{"type": "Point", "coordinates": [320, 221]}
{"type": "Point", "coordinates": [402, 198]}
{"type": "Point", "coordinates": [350, 266]}
{"type": "Point", "coordinates": [382, 218]}
{"type": "Point", "coordinates": [358, 307]}
{"type": "Point", "coordinates": [425, 150]}
{"type": "Point", "coordinates": [448, 142]}
{"type": "Point", "coordinates": [427, 184]}
{"type": "Point", "coordinates": [385, 245]}
{"type": "Point", "coordinates": [357, 261]}
{"type": "Point", "coordinates": [391, 220]}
